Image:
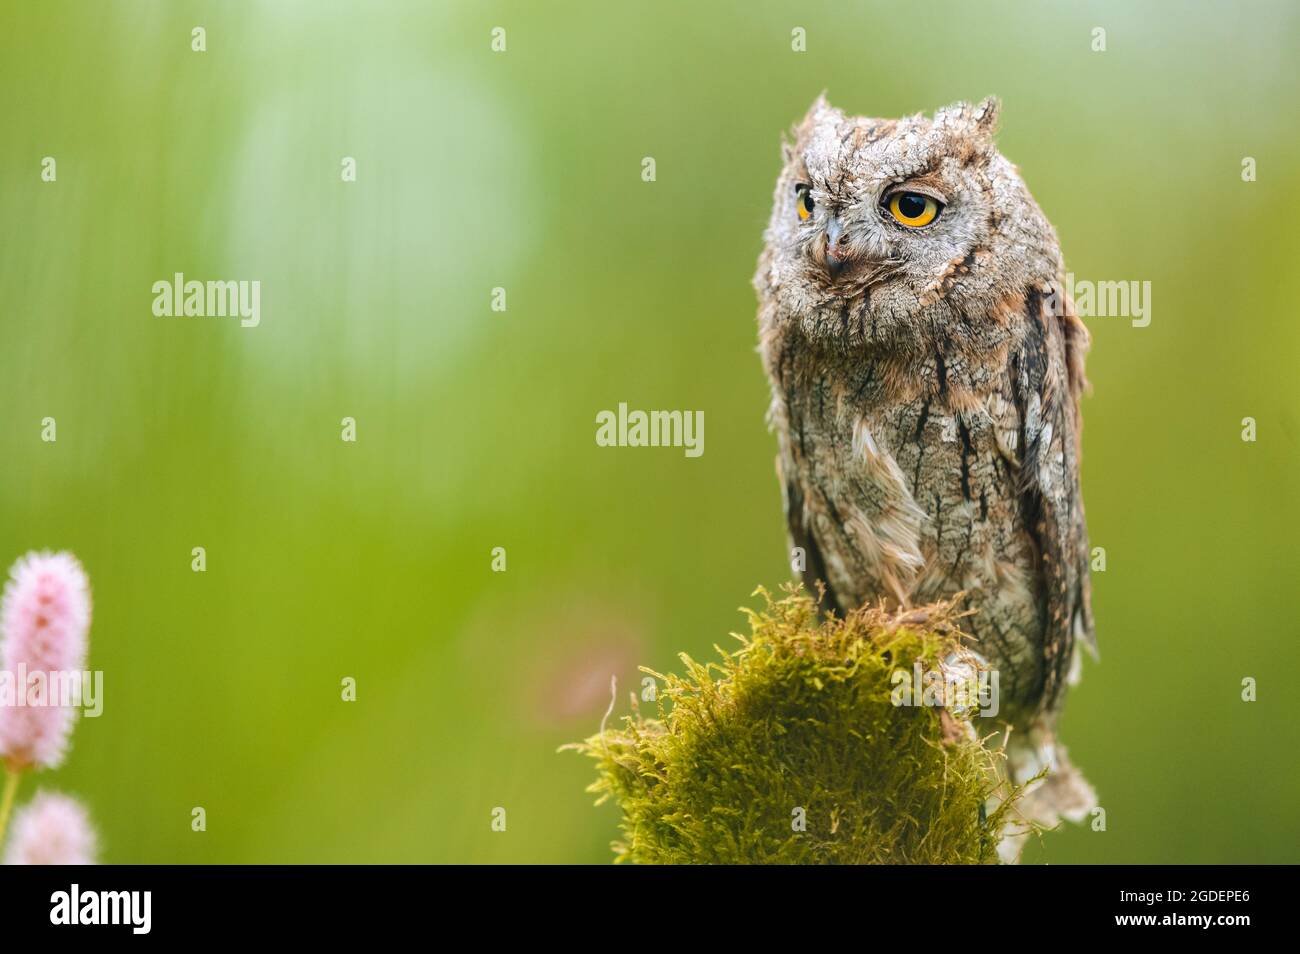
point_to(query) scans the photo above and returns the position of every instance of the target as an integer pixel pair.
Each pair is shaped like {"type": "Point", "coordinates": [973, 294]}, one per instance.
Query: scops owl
{"type": "Point", "coordinates": [926, 368]}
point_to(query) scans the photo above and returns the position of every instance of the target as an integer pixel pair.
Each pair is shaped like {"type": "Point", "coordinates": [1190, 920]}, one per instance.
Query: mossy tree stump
{"type": "Point", "coordinates": [791, 750]}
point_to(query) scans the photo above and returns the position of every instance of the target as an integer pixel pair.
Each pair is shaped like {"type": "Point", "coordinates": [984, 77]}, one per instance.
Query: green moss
{"type": "Point", "coordinates": [801, 717]}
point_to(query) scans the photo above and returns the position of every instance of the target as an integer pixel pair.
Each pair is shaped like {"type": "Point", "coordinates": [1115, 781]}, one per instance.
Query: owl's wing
{"type": "Point", "coordinates": [1047, 381]}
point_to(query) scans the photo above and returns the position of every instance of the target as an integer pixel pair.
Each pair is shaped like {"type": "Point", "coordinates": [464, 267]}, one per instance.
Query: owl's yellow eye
{"type": "Point", "coordinates": [803, 201]}
{"type": "Point", "coordinates": [913, 209]}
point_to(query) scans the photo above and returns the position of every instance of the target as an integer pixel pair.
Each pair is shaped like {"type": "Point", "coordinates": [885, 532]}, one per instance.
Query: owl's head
{"type": "Point", "coordinates": [902, 231]}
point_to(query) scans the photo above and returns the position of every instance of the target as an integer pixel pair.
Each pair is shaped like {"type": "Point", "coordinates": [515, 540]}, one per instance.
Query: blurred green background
{"type": "Point", "coordinates": [476, 429]}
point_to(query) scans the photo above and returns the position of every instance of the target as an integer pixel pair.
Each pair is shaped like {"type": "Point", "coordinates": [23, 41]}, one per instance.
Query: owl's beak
{"type": "Point", "coordinates": [837, 253]}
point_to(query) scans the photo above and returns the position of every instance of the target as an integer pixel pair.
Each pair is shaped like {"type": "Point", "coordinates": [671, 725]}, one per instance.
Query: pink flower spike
{"type": "Point", "coordinates": [44, 618]}
{"type": "Point", "coordinates": [52, 829]}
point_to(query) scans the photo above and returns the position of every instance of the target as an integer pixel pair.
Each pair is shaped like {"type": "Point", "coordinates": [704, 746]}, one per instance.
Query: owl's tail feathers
{"type": "Point", "coordinates": [1061, 793]}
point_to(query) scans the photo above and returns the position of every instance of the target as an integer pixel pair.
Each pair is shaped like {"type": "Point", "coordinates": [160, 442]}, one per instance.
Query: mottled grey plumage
{"type": "Point", "coordinates": [925, 386]}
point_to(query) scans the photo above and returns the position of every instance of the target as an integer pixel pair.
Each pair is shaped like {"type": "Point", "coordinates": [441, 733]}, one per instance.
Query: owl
{"type": "Point", "coordinates": [926, 367]}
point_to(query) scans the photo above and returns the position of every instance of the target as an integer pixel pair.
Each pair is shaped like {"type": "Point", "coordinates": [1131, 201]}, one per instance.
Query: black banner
{"type": "Point", "coordinates": [331, 903]}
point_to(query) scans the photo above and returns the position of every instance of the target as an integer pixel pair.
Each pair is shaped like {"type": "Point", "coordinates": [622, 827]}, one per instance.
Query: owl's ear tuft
{"type": "Point", "coordinates": [980, 118]}
{"type": "Point", "coordinates": [819, 107]}
{"type": "Point", "coordinates": [985, 115]}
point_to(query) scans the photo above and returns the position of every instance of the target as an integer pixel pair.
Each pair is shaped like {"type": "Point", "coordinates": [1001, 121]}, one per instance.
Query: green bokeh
{"type": "Point", "coordinates": [522, 170]}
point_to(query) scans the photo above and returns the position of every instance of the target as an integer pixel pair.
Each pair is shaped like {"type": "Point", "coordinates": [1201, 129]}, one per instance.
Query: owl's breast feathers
{"type": "Point", "coordinates": [912, 479]}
